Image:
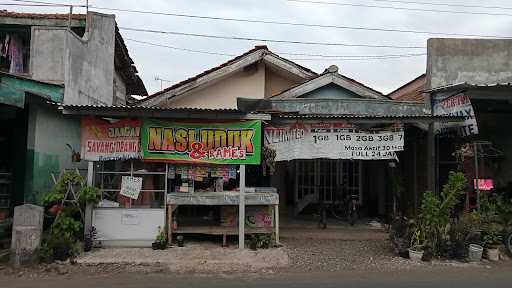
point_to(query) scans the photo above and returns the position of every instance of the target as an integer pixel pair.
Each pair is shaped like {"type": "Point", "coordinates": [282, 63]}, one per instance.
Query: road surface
{"type": "Point", "coordinates": [438, 278]}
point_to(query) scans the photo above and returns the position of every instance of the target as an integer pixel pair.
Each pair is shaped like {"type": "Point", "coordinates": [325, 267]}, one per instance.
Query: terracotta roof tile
{"type": "Point", "coordinates": [411, 91]}
{"type": "Point", "coordinates": [62, 16]}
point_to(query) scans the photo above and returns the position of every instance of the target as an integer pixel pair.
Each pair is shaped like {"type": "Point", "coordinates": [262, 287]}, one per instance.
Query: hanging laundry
{"type": "Point", "coordinates": [15, 51]}
{"type": "Point", "coordinates": [5, 46]}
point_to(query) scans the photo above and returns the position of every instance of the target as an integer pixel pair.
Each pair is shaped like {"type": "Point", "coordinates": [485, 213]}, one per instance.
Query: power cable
{"type": "Point", "coordinates": [268, 40]}
{"type": "Point", "coordinates": [325, 57]}
{"type": "Point", "coordinates": [444, 4]}
{"type": "Point", "coordinates": [257, 21]}
{"type": "Point", "coordinates": [400, 8]}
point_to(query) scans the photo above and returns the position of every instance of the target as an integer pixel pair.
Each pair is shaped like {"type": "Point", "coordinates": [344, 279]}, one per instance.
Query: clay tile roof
{"type": "Point", "coordinates": [59, 16]}
{"type": "Point", "coordinates": [410, 91]}
{"type": "Point", "coordinates": [227, 63]}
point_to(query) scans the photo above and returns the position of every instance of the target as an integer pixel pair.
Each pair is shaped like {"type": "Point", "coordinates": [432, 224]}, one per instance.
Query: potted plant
{"type": "Point", "coordinates": [160, 240]}
{"type": "Point", "coordinates": [491, 241]}
{"type": "Point", "coordinates": [417, 244]}
{"type": "Point", "coordinates": [89, 239]}
{"type": "Point", "coordinates": [45, 253]}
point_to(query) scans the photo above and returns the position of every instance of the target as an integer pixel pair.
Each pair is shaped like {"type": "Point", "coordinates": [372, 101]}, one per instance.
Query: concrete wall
{"type": "Point", "coordinates": [90, 62]}
{"type": "Point", "coordinates": [222, 94]}
{"type": "Point", "coordinates": [331, 91]}
{"type": "Point", "coordinates": [476, 61]}
{"type": "Point", "coordinates": [48, 133]}
{"type": "Point", "coordinates": [85, 65]}
{"type": "Point", "coordinates": [119, 90]}
{"type": "Point", "coordinates": [47, 54]}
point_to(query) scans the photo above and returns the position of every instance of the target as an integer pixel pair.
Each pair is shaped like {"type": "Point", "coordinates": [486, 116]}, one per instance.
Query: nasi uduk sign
{"type": "Point", "coordinates": [455, 105]}
{"type": "Point", "coordinates": [102, 140]}
{"type": "Point", "coordinates": [332, 141]}
{"type": "Point", "coordinates": [202, 142]}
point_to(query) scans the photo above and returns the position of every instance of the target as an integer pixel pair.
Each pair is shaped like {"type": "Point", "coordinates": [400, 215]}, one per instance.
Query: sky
{"type": "Point", "coordinates": [383, 75]}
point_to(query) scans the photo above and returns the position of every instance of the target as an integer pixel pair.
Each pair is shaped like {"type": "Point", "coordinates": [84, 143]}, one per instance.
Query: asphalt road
{"type": "Point", "coordinates": [439, 278]}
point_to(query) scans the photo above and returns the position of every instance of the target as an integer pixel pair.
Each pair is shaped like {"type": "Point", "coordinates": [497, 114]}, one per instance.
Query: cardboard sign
{"type": "Point", "coordinates": [331, 141]}
{"type": "Point", "coordinates": [202, 142]}
{"type": "Point", "coordinates": [102, 140]}
{"type": "Point", "coordinates": [455, 105]}
{"type": "Point", "coordinates": [131, 186]}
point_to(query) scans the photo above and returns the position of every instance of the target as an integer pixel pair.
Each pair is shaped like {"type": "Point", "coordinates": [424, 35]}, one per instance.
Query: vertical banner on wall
{"type": "Point", "coordinates": [202, 142]}
{"type": "Point", "coordinates": [102, 140]}
{"type": "Point", "coordinates": [455, 105]}
{"type": "Point", "coordinates": [332, 141]}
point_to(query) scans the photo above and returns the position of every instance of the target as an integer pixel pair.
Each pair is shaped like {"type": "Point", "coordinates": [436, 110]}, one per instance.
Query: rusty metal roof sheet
{"type": "Point", "coordinates": [466, 85]}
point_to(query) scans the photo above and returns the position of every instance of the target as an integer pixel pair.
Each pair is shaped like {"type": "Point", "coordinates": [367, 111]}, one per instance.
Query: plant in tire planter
{"type": "Point", "coordinates": [417, 244]}
{"type": "Point", "coordinates": [491, 241]}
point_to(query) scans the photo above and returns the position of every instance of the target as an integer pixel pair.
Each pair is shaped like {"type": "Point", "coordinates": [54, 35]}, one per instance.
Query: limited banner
{"type": "Point", "coordinates": [102, 140]}
{"type": "Point", "coordinates": [202, 142]}
{"type": "Point", "coordinates": [455, 105]}
{"type": "Point", "coordinates": [332, 141]}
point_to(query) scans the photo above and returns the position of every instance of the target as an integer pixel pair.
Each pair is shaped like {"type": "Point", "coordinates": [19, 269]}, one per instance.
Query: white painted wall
{"type": "Point", "coordinates": [223, 93]}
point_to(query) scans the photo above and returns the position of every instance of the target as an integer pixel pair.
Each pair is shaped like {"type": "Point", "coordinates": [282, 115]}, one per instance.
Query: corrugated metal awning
{"type": "Point", "coordinates": [157, 112]}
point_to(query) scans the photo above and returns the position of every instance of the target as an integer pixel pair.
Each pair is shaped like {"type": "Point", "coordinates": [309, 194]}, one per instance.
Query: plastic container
{"type": "Point", "coordinates": [493, 254]}
{"type": "Point", "coordinates": [415, 255]}
{"type": "Point", "coordinates": [475, 252]}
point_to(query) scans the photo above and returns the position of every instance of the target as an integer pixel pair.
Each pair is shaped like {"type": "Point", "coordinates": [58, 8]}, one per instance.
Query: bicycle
{"type": "Point", "coordinates": [341, 210]}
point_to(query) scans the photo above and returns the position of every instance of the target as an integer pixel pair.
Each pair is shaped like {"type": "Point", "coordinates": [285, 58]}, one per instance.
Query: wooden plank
{"type": "Point", "coordinates": [220, 230]}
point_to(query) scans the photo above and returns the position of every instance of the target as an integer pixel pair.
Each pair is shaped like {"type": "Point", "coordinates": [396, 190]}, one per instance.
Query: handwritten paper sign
{"type": "Point", "coordinates": [131, 186]}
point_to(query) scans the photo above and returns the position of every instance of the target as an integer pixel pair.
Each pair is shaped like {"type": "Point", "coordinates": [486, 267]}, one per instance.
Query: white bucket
{"type": "Point", "coordinates": [415, 255]}
{"type": "Point", "coordinates": [475, 252]}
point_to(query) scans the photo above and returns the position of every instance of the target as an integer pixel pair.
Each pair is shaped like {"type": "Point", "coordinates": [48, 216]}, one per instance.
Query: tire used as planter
{"type": "Point", "coordinates": [155, 245]}
{"type": "Point", "coordinates": [415, 255]}
{"type": "Point", "coordinates": [475, 252]}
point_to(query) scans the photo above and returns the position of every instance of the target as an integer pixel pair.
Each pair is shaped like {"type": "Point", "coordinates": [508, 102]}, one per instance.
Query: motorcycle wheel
{"type": "Point", "coordinates": [508, 243]}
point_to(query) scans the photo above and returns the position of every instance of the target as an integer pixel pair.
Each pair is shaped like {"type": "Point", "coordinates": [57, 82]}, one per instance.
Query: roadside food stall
{"type": "Point", "coordinates": [180, 176]}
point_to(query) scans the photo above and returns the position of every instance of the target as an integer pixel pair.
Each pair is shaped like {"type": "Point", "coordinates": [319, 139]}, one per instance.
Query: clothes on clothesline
{"type": "Point", "coordinates": [12, 49]}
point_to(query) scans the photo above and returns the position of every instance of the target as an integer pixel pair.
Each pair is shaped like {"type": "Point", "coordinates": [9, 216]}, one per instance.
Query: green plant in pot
{"type": "Point", "coordinates": [45, 253]}
{"type": "Point", "coordinates": [62, 238]}
{"type": "Point", "coordinates": [160, 240]}
{"type": "Point", "coordinates": [417, 245]}
{"type": "Point", "coordinates": [491, 239]}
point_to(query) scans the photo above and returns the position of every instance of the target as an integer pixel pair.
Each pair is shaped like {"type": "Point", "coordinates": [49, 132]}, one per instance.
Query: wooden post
{"type": "Point", "coordinates": [241, 210]}
{"type": "Point", "coordinates": [89, 207]}
{"type": "Point", "coordinates": [477, 188]}
{"type": "Point", "coordinates": [276, 224]}
{"type": "Point", "coordinates": [169, 224]}
{"type": "Point", "coordinates": [431, 156]}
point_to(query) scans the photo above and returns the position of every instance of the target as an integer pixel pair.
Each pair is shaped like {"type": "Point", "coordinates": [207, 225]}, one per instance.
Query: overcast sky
{"type": "Point", "coordinates": [384, 75]}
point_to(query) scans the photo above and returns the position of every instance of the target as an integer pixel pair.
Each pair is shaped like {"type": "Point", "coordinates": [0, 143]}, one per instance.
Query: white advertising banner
{"type": "Point", "coordinates": [131, 186]}
{"type": "Point", "coordinates": [455, 105]}
{"type": "Point", "coordinates": [332, 141]}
